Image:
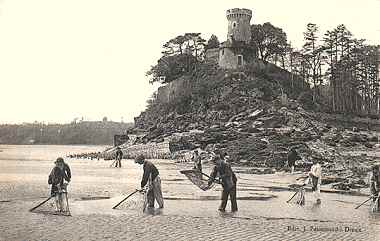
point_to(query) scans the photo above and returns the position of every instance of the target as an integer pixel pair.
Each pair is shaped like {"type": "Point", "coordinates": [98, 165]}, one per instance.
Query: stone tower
{"type": "Point", "coordinates": [236, 51]}
{"type": "Point", "coordinates": [239, 28]}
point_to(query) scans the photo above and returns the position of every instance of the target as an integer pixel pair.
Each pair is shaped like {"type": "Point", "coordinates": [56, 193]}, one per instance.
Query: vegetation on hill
{"type": "Point", "coordinates": [341, 70]}
{"type": "Point", "coordinates": [85, 132]}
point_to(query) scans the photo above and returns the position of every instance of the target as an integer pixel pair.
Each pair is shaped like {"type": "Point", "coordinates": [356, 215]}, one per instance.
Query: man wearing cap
{"type": "Point", "coordinates": [375, 181]}
{"type": "Point", "coordinates": [224, 170]}
{"type": "Point", "coordinates": [152, 178]}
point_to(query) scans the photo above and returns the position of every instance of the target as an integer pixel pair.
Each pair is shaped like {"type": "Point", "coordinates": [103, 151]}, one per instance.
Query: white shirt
{"type": "Point", "coordinates": [316, 170]}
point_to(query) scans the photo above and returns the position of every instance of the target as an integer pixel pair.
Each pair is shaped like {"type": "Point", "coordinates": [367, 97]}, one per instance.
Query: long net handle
{"type": "Point", "coordinates": [125, 199]}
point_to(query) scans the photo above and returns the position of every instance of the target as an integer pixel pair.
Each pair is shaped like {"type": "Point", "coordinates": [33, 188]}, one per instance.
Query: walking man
{"type": "Point", "coordinates": [151, 177]}
{"type": "Point", "coordinates": [292, 157]}
{"type": "Point", "coordinates": [197, 163]}
{"type": "Point", "coordinates": [119, 156]}
{"type": "Point", "coordinates": [315, 176]}
{"type": "Point", "coordinates": [228, 177]}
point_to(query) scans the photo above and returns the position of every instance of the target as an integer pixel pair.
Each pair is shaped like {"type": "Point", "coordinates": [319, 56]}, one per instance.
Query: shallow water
{"type": "Point", "coordinates": [96, 187]}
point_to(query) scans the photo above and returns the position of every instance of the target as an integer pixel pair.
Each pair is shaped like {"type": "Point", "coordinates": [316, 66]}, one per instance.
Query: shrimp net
{"type": "Point", "coordinates": [299, 197]}
{"type": "Point", "coordinates": [197, 179]}
{"type": "Point", "coordinates": [136, 202]}
{"type": "Point", "coordinates": [54, 205]}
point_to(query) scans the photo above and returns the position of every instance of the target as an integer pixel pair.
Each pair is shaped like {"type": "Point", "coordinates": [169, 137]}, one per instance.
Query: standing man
{"type": "Point", "coordinates": [152, 178]}
{"type": "Point", "coordinates": [197, 163]}
{"type": "Point", "coordinates": [119, 156]}
{"type": "Point", "coordinates": [292, 157]}
{"type": "Point", "coordinates": [224, 170]}
{"type": "Point", "coordinates": [315, 176]}
{"type": "Point", "coordinates": [375, 182]}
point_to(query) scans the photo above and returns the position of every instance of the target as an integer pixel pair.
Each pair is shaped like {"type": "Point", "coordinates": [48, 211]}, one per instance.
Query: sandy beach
{"type": "Point", "coordinates": [189, 213]}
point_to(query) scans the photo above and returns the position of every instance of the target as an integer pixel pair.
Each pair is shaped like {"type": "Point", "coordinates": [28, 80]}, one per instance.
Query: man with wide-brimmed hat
{"type": "Point", "coordinates": [229, 180]}
{"type": "Point", "coordinates": [151, 177]}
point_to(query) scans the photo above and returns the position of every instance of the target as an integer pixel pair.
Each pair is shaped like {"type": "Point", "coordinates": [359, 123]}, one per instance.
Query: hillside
{"type": "Point", "coordinates": [86, 132]}
{"type": "Point", "coordinates": [256, 116]}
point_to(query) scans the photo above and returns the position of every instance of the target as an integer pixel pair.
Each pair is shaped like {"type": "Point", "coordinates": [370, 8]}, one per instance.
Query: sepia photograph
{"type": "Point", "coordinates": [189, 120]}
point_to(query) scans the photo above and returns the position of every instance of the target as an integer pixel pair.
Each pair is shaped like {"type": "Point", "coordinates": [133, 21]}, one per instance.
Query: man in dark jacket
{"type": "Point", "coordinates": [229, 180]}
{"type": "Point", "coordinates": [292, 158]}
{"type": "Point", "coordinates": [152, 178]}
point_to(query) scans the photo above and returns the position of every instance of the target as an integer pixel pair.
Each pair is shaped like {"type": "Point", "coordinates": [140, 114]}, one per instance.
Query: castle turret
{"type": "Point", "coordinates": [239, 28]}
{"type": "Point", "coordinates": [236, 51]}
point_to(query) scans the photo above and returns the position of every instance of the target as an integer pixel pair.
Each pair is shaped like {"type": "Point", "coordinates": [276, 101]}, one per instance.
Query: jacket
{"type": "Point", "coordinates": [225, 173]}
{"type": "Point", "coordinates": [56, 176]}
{"type": "Point", "coordinates": [149, 170]}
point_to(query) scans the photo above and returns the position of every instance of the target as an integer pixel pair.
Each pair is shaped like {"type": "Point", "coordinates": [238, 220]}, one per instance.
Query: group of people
{"type": "Point", "coordinates": [315, 177]}
{"type": "Point", "coordinates": [60, 176]}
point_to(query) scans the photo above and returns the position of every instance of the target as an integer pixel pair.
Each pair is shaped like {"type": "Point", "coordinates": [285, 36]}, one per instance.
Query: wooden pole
{"type": "Point", "coordinates": [363, 203]}
{"type": "Point", "coordinates": [293, 196]}
{"type": "Point", "coordinates": [30, 210]}
{"type": "Point", "coordinates": [125, 199]}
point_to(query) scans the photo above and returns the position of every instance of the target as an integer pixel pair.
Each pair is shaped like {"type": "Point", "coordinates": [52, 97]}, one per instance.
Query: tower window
{"type": "Point", "coordinates": [240, 60]}
{"type": "Point", "coordinates": [234, 24]}
{"type": "Point", "coordinates": [222, 51]}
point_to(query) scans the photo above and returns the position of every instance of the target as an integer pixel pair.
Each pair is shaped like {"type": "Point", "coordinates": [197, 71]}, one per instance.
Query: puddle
{"type": "Point", "coordinates": [173, 180]}
{"type": "Point", "coordinates": [257, 197]}
{"type": "Point", "coordinates": [91, 198]}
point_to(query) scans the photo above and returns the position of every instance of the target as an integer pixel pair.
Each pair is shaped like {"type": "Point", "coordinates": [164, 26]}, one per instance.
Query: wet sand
{"type": "Point", "coordinates": [189, 213]}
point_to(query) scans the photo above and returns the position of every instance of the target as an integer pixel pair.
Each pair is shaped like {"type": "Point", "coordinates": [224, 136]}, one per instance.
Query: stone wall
{"type": "Point", "coordinates": [150, 150]}
{"type": "Point", "coordinates": [212, 55]}
{"type": "Point", "coordinates": [228, 57]}
{"type": "Point", "coordinates": [178, 87]}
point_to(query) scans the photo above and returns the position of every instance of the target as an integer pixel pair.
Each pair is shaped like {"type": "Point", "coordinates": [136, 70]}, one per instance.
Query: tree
{"type": "Point", "coordinates": [195, 44]}
{"type": "Point", "coordinates": [352, 72]}
{"type": "Point", "coordinates": [169, 68]}
{"type": "Point", "coordinates": [213, 42]}
{"type": "Point", "coordinates": [270, 41]}
{"type": "Point", "coordinates": [312, 54]}
{"type": "Point", "coordinates": [180, 56]}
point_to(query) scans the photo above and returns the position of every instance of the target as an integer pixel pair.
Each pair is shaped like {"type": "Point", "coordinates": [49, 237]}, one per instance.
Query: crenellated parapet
{"type": "Point", "coordinates": [239, 13]}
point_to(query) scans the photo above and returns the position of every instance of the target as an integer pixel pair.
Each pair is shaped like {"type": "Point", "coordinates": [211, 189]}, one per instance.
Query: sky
{"type": "Point", "coordinates": [61, 60]}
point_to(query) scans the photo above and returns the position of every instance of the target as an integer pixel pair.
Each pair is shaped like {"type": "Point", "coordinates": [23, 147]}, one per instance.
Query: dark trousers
{"type": "Point", "coordinates": [232, 194]}
{"type": "Point", "coordinates": [118, 162]}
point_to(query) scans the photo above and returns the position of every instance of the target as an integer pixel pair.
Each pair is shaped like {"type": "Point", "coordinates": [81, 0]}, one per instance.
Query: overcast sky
{"type": "Point", "coordinates": [62, 59]}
